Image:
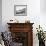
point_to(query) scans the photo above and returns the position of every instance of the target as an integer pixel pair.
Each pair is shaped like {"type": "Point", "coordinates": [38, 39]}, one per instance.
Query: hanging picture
{"type": "Point", "coordinates": [20, 10]}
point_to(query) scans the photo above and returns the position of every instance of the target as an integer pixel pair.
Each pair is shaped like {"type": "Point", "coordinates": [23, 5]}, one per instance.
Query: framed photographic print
{"type": "Point", "coordinates": [20, 10]}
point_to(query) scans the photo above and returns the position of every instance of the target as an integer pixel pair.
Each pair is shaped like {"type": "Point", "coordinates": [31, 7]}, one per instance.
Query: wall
{"type": "Point", "coordinates": [33, 14]}
{"type": "Point", "coordinates": [0, 15]}
{"type": "Point", "coordinates": [43, 14]}
{"type": "Point", "coordinates": [33, 10]}
{"type": "Point", "coordinates": [43, 6]}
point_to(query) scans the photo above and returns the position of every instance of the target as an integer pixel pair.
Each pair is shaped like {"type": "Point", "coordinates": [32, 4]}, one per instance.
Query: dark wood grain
{"type": "Point", "coordinates": [22, 27]}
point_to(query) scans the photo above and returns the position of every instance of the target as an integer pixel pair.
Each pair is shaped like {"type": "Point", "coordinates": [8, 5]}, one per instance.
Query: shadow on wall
{"type": "Point", "coordinates": [43, 6]}
{"type": "Point", "coordinates": [0, 15]}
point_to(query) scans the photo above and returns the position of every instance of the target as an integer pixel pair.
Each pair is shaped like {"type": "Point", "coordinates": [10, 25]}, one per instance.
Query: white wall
{"type": "Point", "coordinates": [34, 14]}
{"type": "Point", "coordinates": [43, 14]}
{"type": "Point", "coordinates": [33, 10]}
{"type": "Point", "coordinates": [36, 10]}
{"type": "Point", "coordinates": [43, 6]}
{"type": "Point", "coordinates": [0, 15]}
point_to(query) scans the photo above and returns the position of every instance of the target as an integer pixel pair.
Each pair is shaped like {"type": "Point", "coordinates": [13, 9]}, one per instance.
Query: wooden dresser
{"type": "Point", "coordinates": [22, 33]}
